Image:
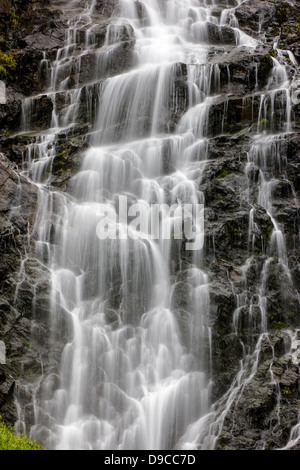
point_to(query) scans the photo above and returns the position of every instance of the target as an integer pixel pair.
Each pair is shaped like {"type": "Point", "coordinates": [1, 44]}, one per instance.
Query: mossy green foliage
{"type": "Point", "coordinates": [271, 53]}
{"type": "Point", "coordinates": [278, 325]}
{"type": "Point", "coordinates": [287, 392]}
{"type": "Point", "coordinates": [269, 229]}
{"type": "Point", "coordinates": [10, 441]}
{"type": "Point", "coordinates": [7, 64]}
{"type": "Point", "coordinates": [263, 121]}
{"type": "Point", "coordinates": [16, 9]}
{"type": "Point", "coordinates": [224, 172]}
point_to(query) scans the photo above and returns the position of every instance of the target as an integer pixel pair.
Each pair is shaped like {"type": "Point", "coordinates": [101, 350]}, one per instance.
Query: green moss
{"type": "Point", "coordinates": [271, 53]}
{"type": "Point", "coordinates": [17, 8]}
{"type": "Point", "coordinates": [265, 67]}
{"type": "Point", "coordinates": [287, 392]}
{"type": "Point", "coordinates": [14, 18]}
{"type": "Point", "coordinates": [10, 441]}
{"type": "Point", "coordinates": [263, 121]}
{"type": "Point", "coordinates": [7, 64]}
{"type": "Point", "coordinates": [278, 325]}
{"type": "Point", "coordinates": [267, 231]}
{"type": "Point", "coordinates": [6, 132]}
{"type": "Point", "coordinates": [3, 71]}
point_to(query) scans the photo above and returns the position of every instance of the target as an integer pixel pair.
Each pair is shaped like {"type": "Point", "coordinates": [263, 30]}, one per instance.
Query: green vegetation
{"type": "Point", "coordinates": [263, 121]}
{"type": "Point", "coordinates": [16, 10]}
{"type": "Point", "coordinates": [7, 64]}
{"type": "Point", "coordinates": [224, 172]}
{"type": "Point", "coordinates": [10, 441]}
{"type": "Point", "coordinates": [271, 53]}
{"type": "Point", "coordinates": [14, 18]}
{"type": "Point", "coordinates": [287, 392]}
{"type": "Point", "coordinates": [278, 325]}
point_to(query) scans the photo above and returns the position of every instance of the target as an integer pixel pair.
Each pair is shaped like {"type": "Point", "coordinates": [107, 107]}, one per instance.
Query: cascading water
{"type": "Point", "coordinates": [136, 372]}
{"type": "Point", "coordinates": [127, 379]}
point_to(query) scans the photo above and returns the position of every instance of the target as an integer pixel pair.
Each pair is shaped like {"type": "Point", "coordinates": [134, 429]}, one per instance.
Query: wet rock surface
{"type": "Point", "coordinates": [18, 202]}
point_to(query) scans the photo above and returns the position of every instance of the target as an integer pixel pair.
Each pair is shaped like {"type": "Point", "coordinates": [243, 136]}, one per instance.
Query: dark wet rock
{"type": "Point", "coordinates": [107, 8]}
{"type": "Point", "coordinates": [50, 39]}
{"type": "Point", "coordinates": [142, 13]}
{"type": "Point", "coordinates": [68, 161]}
{"type": "Point", "coordinates": [4, 7]}
{"type": "Point", "coordinates": [256, 15]}
{"type": "Point", "coordinates": [179, 101]}
{"type": "Point", "coordinates": [28, 73]}
{"type": "Point", "coordinates": [232, 115]}
{"type": "Point", "coordinates": [120, 33]}
{"type": "Point", "coordinates": [121, 58]}
{"type": "Point", "coordinates": [97, 35]}
{"type": "Point", "coordinates": [220, 34]}
{"type": "Point", "coordinates": [41, 108]}
{"type": "Point", "coordinates": [25, 293]}
{"type": "Point", "coordinates": [113, 60]}
{"type": "Point", "coordinates": [18, 200]}
{"type": "Point", "coordinates": [10, 113]}
{"type": "Point", "coordinates": [256, 409]}
{"type": "Point", "coordinates": [18, 197]}
{"type": "Point", "coordinates": [288, 16]}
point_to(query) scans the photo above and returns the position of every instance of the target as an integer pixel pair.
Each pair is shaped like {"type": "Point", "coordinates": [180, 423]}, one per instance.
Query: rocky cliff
{"type": "Point", "coordinates": [262, 412]}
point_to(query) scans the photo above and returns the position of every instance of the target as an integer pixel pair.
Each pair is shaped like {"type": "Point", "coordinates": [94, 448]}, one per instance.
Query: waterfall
{"type": "Point", "coordinates": [129, 378]}
{"type": "Point", "coordinates": [136, 371]}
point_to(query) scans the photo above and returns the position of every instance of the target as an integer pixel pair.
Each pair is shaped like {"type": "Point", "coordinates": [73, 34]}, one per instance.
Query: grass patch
{"type": "Point", "coordinates": [11, 441]}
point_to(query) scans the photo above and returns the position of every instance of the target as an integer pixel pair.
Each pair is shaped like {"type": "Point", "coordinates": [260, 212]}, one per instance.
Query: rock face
{"type": "Point", "coordinates": [18, 201]}
{"type": "Point", "coordinates": [261, 413]}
